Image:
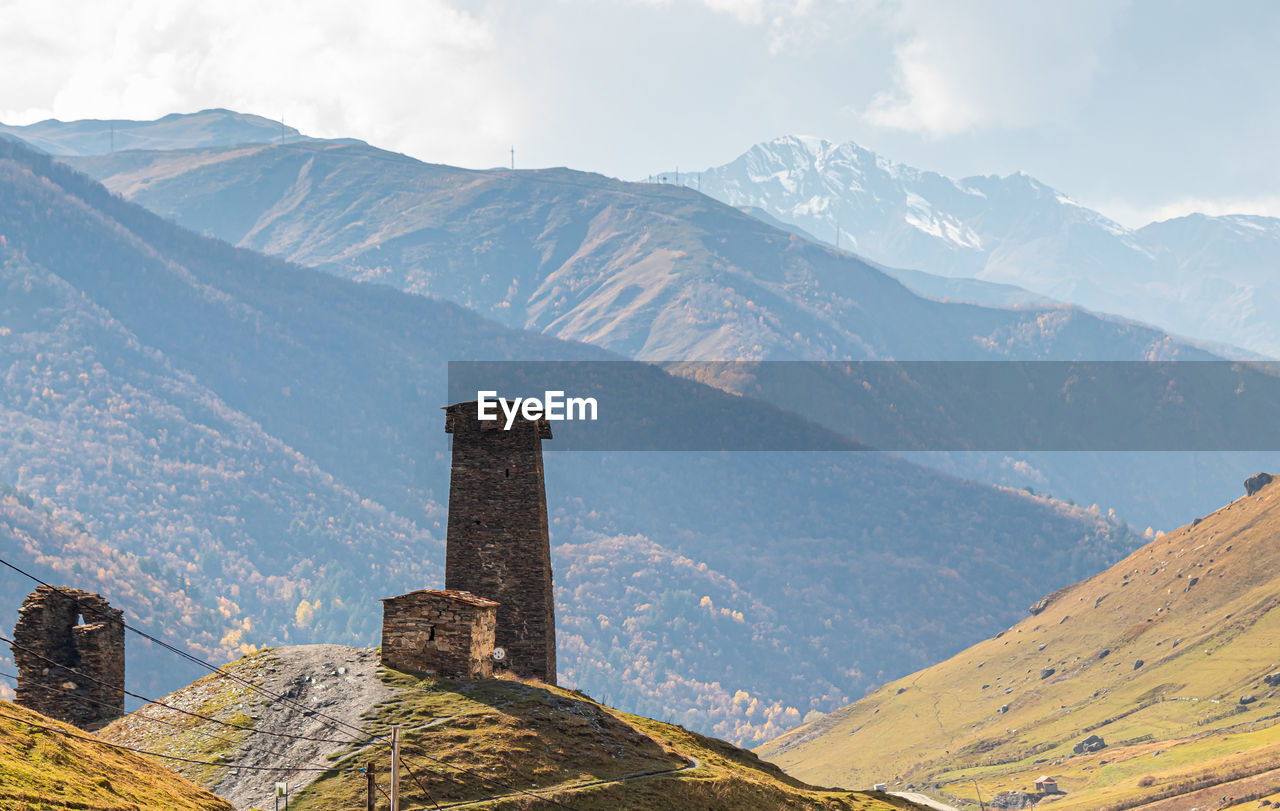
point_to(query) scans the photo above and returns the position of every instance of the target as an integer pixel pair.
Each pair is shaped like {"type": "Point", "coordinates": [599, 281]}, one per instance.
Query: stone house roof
{"type": "Point", "coordinates": [458, 596]}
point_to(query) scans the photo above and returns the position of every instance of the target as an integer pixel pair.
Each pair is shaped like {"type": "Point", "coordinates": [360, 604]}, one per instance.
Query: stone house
{"type": "Point", "coordinates": [447, 633]}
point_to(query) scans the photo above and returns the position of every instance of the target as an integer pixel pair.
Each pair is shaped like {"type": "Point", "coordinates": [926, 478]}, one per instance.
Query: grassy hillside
{"type": "Point", "coordinates": [43, 767]}
{"type": "Point", "coordinates": [1169, 657]}
{"type": "Point", "coordinates": [241, 452]}
{"type": "Point", "coordinates": [500, 743]}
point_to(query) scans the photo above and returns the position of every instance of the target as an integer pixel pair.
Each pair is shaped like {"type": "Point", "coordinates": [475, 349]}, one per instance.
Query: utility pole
{"type": "Point", "coordinates": [371, 799]}
{"type": "Point", "coordinates": [513, 157]}
{"type": "Point", "coordinates": [395, 768]}
{"type": "Point", "coordinates": [113, 139]}
{"type": "Point", "coordinates": [981, 804]}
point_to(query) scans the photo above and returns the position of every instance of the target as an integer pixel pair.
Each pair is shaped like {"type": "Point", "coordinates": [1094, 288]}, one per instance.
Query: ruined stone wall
{"type": "Point", "coordinates": [498, 545]}
{"type": "Point", "coordinates": [60, 632]}
{"type": "Point", "coordinates": [447, 633]}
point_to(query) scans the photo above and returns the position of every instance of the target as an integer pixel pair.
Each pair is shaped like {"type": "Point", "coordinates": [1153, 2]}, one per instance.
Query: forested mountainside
{"type": "Point", "coordinates": [238, 451]}
{"type": "Point", "coordinates": [658, 272]}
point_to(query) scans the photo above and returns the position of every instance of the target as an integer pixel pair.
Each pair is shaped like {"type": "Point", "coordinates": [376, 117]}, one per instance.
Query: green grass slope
{"type": "Point", "coordinates": [498, 743]}
{"type": "Point", "coordinates": [1166, 656]}
{"type": "Point", "coordinates": [45, 764]}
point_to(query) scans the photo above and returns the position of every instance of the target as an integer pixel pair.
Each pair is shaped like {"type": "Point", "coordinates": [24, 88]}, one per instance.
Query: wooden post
{"type": "Point", "coordinates": [371, 800]}
{"type": "Point", "coordinates": [395, 768]}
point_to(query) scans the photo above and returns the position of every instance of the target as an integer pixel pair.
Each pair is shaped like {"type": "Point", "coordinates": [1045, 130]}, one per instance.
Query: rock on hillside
{"type": "Point", "coordinates": [501, 740]}
{"type": "Point", "coordinates": [48, 764]}
{"type": "Point", "coordinates": [1163, 684]}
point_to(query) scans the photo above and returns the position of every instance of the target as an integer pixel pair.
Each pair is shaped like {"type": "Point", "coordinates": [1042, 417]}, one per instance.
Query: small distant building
{"type": "Point", "coordinates": [447, 633]}
{"type": "Point", "coordinates": [1046, 785]}
{"type": "Point", "coordinates": [880, 787]}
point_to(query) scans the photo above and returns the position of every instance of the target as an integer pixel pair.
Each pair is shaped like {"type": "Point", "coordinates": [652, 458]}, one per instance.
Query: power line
{"type": "Point", "coordinates": [430, 799]}
{"type": "Point", "coordinates": [208, 735]}
{"type": "Point", "coordinates": [170, 757]}
{"type": "Point", "coordinates": [211, 668]}
{"type": "Point", "coordinates": [170, 706]}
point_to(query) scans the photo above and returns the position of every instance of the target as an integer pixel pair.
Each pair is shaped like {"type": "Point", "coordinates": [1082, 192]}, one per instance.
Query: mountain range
{"type": "Point", "coordinates": [239, 451]}
{"type": "Point", "coordinates": [1210, 278]}
{"type": "Point", "coordinates": [656, 272]}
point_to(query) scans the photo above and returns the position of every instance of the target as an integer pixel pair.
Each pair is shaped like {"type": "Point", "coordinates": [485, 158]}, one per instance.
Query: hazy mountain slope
{"type": "Point", "coordinates": [1168, 656]}
{"type": "Point", "coordinates": [519, 737]}
{"type": "Point", "coordinates": [649, 271]}
{"type": "Point", "coordinates": [42, 766]}
{"type": "Point", "coordinates": [175, 131]}
{"type": "Point", "coordinates": [264, 443]}
{"type": "Point", "coordinates": [1196, 276]}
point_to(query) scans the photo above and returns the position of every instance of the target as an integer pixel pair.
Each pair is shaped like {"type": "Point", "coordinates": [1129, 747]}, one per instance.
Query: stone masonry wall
{"type": "Point", "coordinates": [60, 631]}
{"type": "Point", "coordinates": [448, 633]}
{"type": "Point", "coordinates": [498, 544]}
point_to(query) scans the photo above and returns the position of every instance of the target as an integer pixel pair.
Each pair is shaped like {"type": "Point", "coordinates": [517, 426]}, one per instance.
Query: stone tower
{"type": "Point", "coordinates": [69, 650]}
{"type": "Point", "coordinates": [498, 544]}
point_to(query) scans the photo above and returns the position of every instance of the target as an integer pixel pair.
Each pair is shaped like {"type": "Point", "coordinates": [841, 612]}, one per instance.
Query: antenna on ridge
{"type": "Point", "coordinates": [513, 157]}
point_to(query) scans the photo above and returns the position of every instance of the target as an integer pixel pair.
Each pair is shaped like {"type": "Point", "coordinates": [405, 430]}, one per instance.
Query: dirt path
{"type": "Point", "coordinates": [927, 802]}
{"type": "Point", "coordinates": [694, 763]}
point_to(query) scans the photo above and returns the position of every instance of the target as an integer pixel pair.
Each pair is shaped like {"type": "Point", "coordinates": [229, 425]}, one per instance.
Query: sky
{"type": "Point", "coordinates": [1143, 110]}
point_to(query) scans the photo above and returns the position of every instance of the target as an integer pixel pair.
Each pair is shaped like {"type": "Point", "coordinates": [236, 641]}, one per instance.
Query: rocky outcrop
{"type": "Point", "coordinates": [1256, 482]}
{"type": "Point", "coordinates": [1093, 743]}
{"type": "Point", "coordinates": [1012, 800]}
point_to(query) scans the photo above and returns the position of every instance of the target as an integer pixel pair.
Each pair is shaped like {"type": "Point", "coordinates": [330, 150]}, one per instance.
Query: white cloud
{"type": "Point", "coordinates": [964, 66]}
{"type": "Point", "coordinates": [415, 75]}
{"type": "Point", "coordinates": [750, 12]}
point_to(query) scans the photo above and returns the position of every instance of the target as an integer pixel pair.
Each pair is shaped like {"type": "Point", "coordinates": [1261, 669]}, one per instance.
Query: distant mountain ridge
{"type": "Point", "coordinates": [214, 127]}
{"type": "Point", "coordinates": [1207, 277]}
